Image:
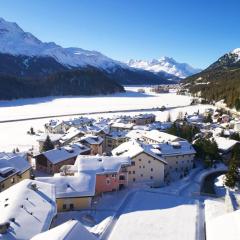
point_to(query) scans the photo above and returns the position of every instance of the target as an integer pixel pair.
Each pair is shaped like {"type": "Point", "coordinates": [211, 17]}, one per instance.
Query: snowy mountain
{"type": "Point", "coordinates": [165, 65]}
{"type": "Point", "coordinates": [13, 40]}
{"type": "Point", "coordinates": [22, 54]}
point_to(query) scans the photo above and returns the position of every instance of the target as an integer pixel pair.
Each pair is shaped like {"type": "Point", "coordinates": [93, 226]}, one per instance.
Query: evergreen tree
{"type": "Point", "coordinates": [47, 145]}
{"type": "Point", "coordinates": [232, 176]}
{"type": "Point", "coordinates": [169, 119]}
{"type": "Point", "coordinates": [32, 131]}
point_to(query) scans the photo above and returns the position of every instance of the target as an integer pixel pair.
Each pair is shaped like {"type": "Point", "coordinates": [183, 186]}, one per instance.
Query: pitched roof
{"type": "Point", "coordinates": [63, 153]}
{"type": "Point", "coordinates": [15, 163]}
{"type": "Point", "coordinates": [69, 230]}
{"type": "Point", "coordinates": [134, 148]}
{"type": "Point", "coordinates": [91, 139]}
{"type": "Point", "coordinates": [28, 203]}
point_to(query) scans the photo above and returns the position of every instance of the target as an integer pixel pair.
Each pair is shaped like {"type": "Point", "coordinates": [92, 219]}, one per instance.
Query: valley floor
{"type": "Point", "coordinates": [14, 134]}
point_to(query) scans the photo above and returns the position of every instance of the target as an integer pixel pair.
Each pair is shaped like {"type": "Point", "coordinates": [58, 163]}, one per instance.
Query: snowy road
{"type": "Point", "coordinates": [88, 113]}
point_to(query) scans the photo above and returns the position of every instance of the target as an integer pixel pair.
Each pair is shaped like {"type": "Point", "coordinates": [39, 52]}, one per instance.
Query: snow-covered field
{"type": "Point", "coordinates": [13, 135]}
{"type": "Point", "coordinates": [131, 99]}
{"type": "Point", "coordinates": [157, 216]}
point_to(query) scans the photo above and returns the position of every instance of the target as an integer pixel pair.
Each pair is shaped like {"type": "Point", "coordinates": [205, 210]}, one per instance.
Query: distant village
{"type": "Point", "coordinates": [80, 159]}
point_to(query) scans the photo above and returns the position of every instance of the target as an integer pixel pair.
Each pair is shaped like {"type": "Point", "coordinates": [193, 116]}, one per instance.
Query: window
{"type": "Point", "coordinates": [129, 172]}
{"type": "Point", "coordinates": [143, 166]}
{"type": "Point", "coordinates": [141, 175]}
{"type": "Point", "coordinates": [176, 162]}
{"type": "Point", "coordinates": [121, 177]}
{"type": "Point", "coordinates": [134, 179]}
{"type": "Point", "coordinates": [133, 163]}
{"type": "Point", "coordinates": [64, 206]}
{"type": "Point", "coordinates": [149, 161]}
{"type": "Point", "coordinates": [140, 166]}
{"type": "Point", "coordinates": [151, 169]}
{"type": "Point", "coordinates": [71, 206]}
{"type": "Point", "coordinates": [108, 181]}
{"type": "Point", "coordinates": [139, 159]}
{"type": "Point", "coordinates": [133, 172]}
{"type": "Point", "coordinates": [151, 177]}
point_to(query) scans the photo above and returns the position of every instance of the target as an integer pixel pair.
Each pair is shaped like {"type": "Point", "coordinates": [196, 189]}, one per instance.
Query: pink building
{"type": "Point", "coordinates": [111, 173]}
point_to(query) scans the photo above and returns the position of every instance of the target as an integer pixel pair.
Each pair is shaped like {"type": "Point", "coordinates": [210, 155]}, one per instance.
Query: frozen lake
{"type": "Point", "coordinates": [14, 135]}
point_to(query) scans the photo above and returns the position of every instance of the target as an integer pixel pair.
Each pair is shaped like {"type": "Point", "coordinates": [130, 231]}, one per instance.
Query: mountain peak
{"type": "Point", "coordinates": [165, 64]}
{"type": "Point", "coordinates": [236, 52]}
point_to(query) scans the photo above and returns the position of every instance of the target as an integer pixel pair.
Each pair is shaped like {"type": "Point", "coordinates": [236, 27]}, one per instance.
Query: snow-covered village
{"type": "Point", "coordinates": [106, 147]}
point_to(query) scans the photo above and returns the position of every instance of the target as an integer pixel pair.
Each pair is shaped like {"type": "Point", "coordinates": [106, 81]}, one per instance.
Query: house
{"type": "Point", "coordinates": [27, 208]}
{"type": "Point", "coordinates": [225, 146]}
{"type": "Point", "coordinates": [146, 165]}
{"type": "Point", "coordinates": [121, 126]}
{"type": "Point", "coordinates": [113, 139]}
{"type": "Point", "coordinates": [51, 161]}
{"type": "Point", "coordinates": [55, 127]}
{"type": "Point", "coordinates": [110, 171]}
{"type": "Point", "coordinates": [143, 119]}
{"type": "Point", "coordinates": [69, 230]}
{"type": "Point", "coordinates": [99, 129]}
{"type": "Point", "coordinates": [95, 143]}
{"type": "Point", "coordinates": [13, 169]}
{"type": "Point", "coordinates": [72, 135]}
{"type": "Point", "coordinates": [54, 139]}
{"type": "Point", "coordinates": [78, 122]}
{"type": "Point", "coordinates": [72, 192]}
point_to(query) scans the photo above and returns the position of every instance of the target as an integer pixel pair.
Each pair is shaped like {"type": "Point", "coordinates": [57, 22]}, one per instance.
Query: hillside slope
{"type": "Point", "coordinates": [221, 80]}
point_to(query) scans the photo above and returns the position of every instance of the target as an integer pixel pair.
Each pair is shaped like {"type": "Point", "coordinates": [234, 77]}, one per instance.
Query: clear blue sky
{"type": "Point", "coordinates": [193, 31]}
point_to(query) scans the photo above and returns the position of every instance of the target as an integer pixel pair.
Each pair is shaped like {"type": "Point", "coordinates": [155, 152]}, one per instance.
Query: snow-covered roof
{"type": "Point", "coordinates": [97, 128]}
{"type": "Point", "coordinates": [71, 133]}
{"type": "Point", "coordinates": [144, 116]}
{"type": "Point", "coordinates": [80, 185]}
{"type": "Point", "coordinates": [117, 134]}
{"type": "Point", "coordinates": [69, 230]}
{"type": "Point", "coordinates": [63, 153]}
{"type": "Point", "coordinates": [133, 148]}
{"type": "Point", "coordinates": [91, 139]}
{"type": "Point", "coordinates": [101, 164]}
{"type": "Point", "coordinates": [159, 137]}
{"type": "Point", "coordinates": [225, 144]}
{"type": "Point", "coordinates": [122, 125]}
{"type": "Point", "coordinates": [224, 227]}
{"type": "Point", "coordinates": [29, 207]}
{"type": "Point", "coordinates": [53, 137]}
{"type": "Point", "coordinates": [174, 148]}
{"type": "Point", "coordinates": [17, 163]}
{"type": "Point", "coordinates": [159, 151]}
{"type": "Point", "coordinates": [79, 121]}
